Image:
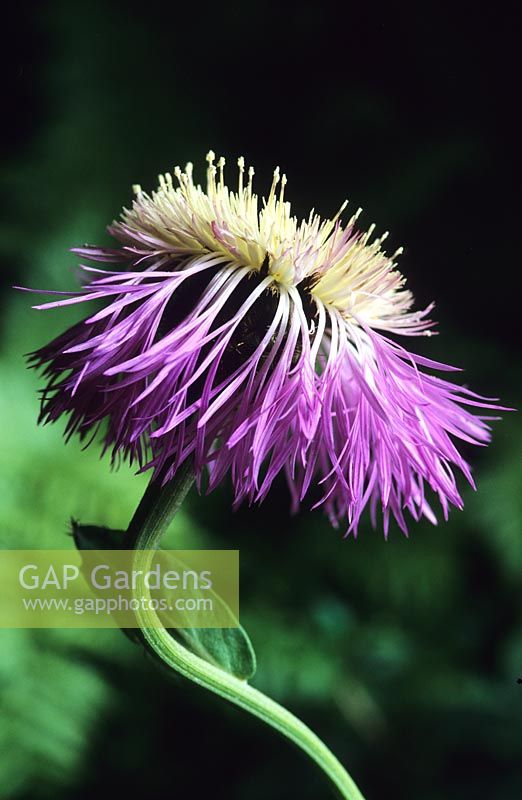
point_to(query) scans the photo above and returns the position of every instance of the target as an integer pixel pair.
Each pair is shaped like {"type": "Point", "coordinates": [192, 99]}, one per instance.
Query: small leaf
{"type": "Point", "coordinates": [227, 648]}
{"type": "Point", "coordinates": [95, 537]}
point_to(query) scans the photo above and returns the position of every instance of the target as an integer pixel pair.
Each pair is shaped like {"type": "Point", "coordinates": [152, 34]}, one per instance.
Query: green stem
{"type": "Point", "coordinates": [152, 518]}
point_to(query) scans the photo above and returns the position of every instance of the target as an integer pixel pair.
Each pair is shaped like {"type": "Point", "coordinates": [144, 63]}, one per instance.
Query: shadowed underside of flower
{"type": "Point", "coordinates": [233, 335]}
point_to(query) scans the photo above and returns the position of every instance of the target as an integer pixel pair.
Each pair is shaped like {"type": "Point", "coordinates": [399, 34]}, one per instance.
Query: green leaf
{"type": "Point", "coordinates": [228, 648]}
{"type": "Point", "coordinates": [95, 537]}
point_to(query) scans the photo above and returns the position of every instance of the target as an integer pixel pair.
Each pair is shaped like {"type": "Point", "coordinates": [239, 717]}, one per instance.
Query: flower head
{"type": "Point", "coordinates": [251, 343]}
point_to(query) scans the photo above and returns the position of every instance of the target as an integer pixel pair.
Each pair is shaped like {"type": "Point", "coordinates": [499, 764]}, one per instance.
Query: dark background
{"type": "Point", "coordinates": [402, 655]}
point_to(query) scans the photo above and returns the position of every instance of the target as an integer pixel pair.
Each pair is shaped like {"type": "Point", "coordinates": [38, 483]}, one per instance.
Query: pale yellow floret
{"type": "Point", "coordinates": [345, 270]}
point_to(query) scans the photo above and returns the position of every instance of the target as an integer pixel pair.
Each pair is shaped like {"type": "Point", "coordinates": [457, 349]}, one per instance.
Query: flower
{"type": "Point", "coordinates": [233, 335]}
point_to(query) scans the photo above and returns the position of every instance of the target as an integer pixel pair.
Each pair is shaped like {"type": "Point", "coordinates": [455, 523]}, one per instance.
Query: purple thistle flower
{"type": "Point", "coordinates": [250, 343]}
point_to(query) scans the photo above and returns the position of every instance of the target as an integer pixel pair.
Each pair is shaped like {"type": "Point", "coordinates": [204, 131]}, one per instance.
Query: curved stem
{"type": "Point", "coordinates": [152, 517]}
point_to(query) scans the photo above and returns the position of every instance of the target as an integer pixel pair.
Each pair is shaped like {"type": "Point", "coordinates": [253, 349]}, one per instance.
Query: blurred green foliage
{"type": "Point", "coordinates": [403, 655]}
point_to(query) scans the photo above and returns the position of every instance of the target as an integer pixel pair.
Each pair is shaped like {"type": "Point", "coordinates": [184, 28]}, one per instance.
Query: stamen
{"type": "Point", "coordinates": [343, 206]}
{"type": "Point", "coordinates": [221, 165]}
{"type": "Point", "coordinates": [273, 187]}
{"type": "Point", "coordinates": [211, 173]}
{"type": "Point", "coordinates": [241, 165]}
{"type": "Point", "coordinates": [251, 173]}
{"type": "Point", "coordinates": [282, 189]}
{"type": "Point", "coordinates": [355, 217]}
